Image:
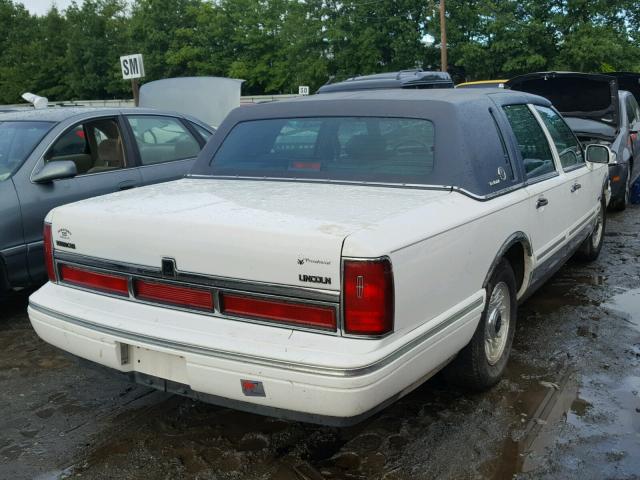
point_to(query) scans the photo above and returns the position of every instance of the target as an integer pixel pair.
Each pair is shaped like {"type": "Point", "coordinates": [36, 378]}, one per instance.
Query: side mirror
{"type": "Point", "coordinates": [56, 171]}
{"type": "Point", "coordinates": [598, 154]}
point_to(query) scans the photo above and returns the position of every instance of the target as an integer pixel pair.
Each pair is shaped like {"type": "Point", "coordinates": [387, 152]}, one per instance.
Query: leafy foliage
{"type": "Point", "coordinates": [276, 45]}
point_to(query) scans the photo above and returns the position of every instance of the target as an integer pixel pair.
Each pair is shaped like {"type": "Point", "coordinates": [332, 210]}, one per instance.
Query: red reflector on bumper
{"type": "Point", "coordinates": [278, 311]}
{"type": "Point", "coordinates": [103, 282]}
{"type": "Point", "coordinates": [173, 294]}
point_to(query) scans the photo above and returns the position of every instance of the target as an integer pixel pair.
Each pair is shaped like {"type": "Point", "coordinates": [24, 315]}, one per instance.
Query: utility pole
{"type": "Point", "coordinates": [135, 88]}
{"type": "Point", "coordinates": [443, 37]}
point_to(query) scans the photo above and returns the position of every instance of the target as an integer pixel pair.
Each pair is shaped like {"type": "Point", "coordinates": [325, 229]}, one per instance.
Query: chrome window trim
{"type": "Point", "coordinates": [490, 196]}
{"type": "Point", "coordinates": [168, 161]}
{"type": "Point", "coordinates": [542, 178]}
{"type": "Point", "coordinates": [575, 167]}
{"type": "Point", "coordinates": [414, 186]}
{"type": "Point", "coordinates": [323, 181]}
{"type": "Point", "coordinates": [552, 145]}
{"type": "Point", "coordinates": [269, 362]}
{"type": "Point", "coordinates": [578, 143]}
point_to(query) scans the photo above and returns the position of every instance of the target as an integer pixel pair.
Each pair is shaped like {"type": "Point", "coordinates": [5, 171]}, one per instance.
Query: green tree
{"type": "Point", "coordinates": [162, 31]}
{"type": "Point", "coordinates": [17, 62]}
{"type": "Point", "coordinates": [97, 36]}
{"type": "Point", "coordinates": [48, 50]}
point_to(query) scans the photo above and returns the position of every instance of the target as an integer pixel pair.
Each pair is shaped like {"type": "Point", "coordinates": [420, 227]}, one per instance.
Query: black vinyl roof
{"type": "Point", "coordinates": [464, 124]}
{"type": "Point", "coordinates": [421, 102]}
{"type": "Point", "coordinates": [401, 79]}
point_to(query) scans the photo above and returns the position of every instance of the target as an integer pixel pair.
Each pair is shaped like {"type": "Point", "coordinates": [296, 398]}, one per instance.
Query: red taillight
{"type": "Point", "coordinates": [173, 294]}
{"type": "Point", "coordinates": [48, 253]}
{"type": "Point", "coordinates": [368, 297]}
{"type": "Point", "coordinates": [315, 316]}
{"type": "Point", "coordinates": [103, 282]}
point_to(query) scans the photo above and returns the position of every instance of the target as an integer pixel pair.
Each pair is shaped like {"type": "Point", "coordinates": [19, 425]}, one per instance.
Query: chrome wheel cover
{"type": "Point", "coordinates": [596, 235]}
{"type": "Point", "coordinates": [497, 323]}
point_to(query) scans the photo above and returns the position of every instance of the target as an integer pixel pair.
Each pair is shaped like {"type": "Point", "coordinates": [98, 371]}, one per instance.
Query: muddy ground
{"type": "Point", "coordinates": [568, 407]}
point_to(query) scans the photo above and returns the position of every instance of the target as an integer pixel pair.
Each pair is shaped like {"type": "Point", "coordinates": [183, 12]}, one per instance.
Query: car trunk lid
{"type": "Point", "coordinates": [583, 95]}
{"type": "Point", "coordinates": [285, 233]}
{"type": "Point", "coordinates": [628, 81]}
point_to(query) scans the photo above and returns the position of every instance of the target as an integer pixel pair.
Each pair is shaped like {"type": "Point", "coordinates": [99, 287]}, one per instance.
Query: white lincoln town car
{"type": "Point", "coordinates": [327, 255]}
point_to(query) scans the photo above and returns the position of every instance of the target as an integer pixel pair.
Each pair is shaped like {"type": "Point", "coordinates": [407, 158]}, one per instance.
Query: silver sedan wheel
{"type": "Point", "coordinates": [596, 235]}
{"type": "Point", "coordinates": [497, 324]}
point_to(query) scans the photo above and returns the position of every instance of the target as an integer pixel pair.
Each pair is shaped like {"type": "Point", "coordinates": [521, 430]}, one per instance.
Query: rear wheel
{"type": "Point", "coordinates": [481, 363]}
{"type": "Point", "coordinates": [590, 248]}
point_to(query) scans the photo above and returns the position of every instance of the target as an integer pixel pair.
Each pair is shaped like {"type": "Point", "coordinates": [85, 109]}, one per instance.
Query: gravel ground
{"type": "Point", "coordinates": [568, 407]}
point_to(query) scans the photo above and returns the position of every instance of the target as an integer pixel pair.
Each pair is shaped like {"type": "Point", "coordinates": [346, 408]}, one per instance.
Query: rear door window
{"type": "Point", "coordinates": [568, 146]}
{"type": "Point", "coordinates": [532, 142]}
{"type": "Point", "coordinates": [162, 139]}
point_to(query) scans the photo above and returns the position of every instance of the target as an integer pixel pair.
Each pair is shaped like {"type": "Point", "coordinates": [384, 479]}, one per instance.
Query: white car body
{"type": "Point", "coordinates": [261, 236]}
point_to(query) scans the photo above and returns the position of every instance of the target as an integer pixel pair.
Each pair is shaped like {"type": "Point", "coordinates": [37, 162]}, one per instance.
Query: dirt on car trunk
{"type": "Point", "coordinates": [568, 407]}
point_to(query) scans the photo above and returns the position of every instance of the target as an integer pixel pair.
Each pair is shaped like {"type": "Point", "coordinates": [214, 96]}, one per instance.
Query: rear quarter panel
{"type": "Point", "coordinates": [442, 253]}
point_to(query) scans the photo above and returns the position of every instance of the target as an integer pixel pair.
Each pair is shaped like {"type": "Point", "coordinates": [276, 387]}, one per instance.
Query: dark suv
{"type": "Point", "coordinates": [402, 79]}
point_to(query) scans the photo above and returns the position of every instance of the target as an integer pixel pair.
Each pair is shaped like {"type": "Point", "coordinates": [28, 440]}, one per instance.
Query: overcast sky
{"type": "Point", "coordinates": [40, 7]}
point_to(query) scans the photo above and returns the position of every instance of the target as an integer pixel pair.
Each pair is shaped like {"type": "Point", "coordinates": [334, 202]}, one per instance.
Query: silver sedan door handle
{"type": "Point", "coordinates": [575, 186]}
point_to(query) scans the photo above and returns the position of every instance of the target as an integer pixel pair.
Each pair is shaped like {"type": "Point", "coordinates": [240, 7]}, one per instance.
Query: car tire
{"type": "Point", "coordinates": [481, 363]}
{"type": "Point", "coordinates": [590, 248]}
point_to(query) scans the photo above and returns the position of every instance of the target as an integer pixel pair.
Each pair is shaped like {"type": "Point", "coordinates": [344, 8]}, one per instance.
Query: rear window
{"type": "Point", "coordinates": [368, 149]}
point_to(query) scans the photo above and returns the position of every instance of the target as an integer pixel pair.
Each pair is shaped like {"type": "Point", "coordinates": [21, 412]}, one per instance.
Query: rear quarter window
{"type": "Point", "coordinates": [486, 148]}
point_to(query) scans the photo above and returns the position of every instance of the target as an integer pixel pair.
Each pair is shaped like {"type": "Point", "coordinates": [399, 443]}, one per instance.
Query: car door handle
{"type": "Point", "coordinates": [542, 202]}
{"type": "Point", "coordinates": [575, 186]}
{"type": "Point", "coordinates": [127, 184]}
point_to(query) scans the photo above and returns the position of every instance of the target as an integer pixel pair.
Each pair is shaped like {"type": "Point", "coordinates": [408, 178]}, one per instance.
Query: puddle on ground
{"type": "Point", "coordinates": [563, 290]}
{"type": "Point", "coordinates": [570, 278]}
{"type": "Point", "coordinates": [55, 475]}
{"type": "Point", "coordinates": [629, 304]}
{"type": "Point", "coordinates": [541, 406]}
